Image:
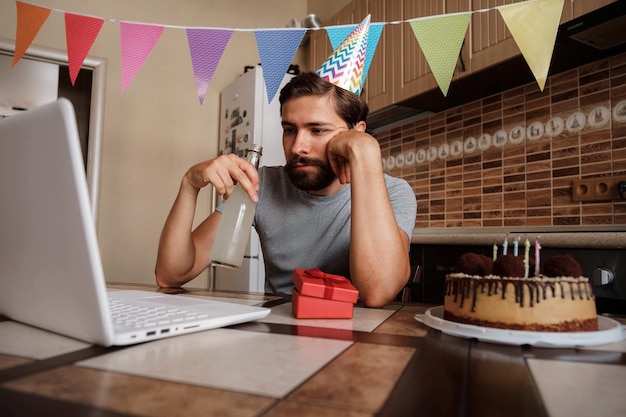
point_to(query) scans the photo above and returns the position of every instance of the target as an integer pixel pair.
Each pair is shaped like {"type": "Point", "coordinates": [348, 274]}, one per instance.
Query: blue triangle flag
{"type": "Point", "coordinates": [276, 50]}
{"type": "Point", "coordinates": [336, 34]}
{"type": "Point", "coordinates": [372, 42]}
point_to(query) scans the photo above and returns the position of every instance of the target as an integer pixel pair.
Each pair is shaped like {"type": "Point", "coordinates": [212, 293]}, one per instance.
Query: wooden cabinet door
{"type": "Point", "coordinates": [411, 72]}
{"type": "Point", "coordinates": [490, 40]}
{"type": "Point", "coordinates": [319, 43]}
{"type": "Point", "coordinates": [581, 7]}
{"type": "Point", "coordinates": [378, 90]}
{"type": "Point", "coordinates": [319, 49]}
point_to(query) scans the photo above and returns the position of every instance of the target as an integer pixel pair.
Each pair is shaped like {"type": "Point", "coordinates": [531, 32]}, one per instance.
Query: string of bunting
{"type": "Point", "coordinates": [533, 25]}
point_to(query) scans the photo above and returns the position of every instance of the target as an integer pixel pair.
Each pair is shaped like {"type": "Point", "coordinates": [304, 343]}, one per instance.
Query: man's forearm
{"type": "Point", "coordinates": [379, 258]}
{"type": "Point", "coordinates": [176, 253]}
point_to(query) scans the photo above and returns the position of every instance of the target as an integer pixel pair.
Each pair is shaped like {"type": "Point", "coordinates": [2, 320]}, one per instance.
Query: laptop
{"type": "Point", "coordinates": [51, 274]}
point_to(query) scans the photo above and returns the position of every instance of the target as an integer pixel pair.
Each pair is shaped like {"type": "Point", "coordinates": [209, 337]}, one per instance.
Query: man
{"type": "Point", "coordinates": [330, 207]}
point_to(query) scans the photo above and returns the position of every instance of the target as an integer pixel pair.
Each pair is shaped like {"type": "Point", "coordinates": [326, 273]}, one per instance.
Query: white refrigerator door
{"type": "Point", "coordinates": [246, 118]}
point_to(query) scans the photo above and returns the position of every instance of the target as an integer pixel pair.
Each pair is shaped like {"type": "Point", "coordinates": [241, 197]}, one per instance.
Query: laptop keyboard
{"type": "Point", "coordinates": [141, 316]}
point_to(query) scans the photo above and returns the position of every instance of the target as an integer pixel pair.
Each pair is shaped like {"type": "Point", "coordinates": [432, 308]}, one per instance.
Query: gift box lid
{"type": "Point", "coordinates": [316, 283]}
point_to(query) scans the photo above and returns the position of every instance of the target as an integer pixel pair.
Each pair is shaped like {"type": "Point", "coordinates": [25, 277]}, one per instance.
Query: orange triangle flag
{"type": "Point", "coordinates": [80, 33]}
{"type": "Point", "coordinates": [30, 18]}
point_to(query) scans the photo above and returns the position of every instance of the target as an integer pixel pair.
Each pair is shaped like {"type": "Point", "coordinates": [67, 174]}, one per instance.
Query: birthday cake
{"type": "Point", "coordinates": [501, 294]}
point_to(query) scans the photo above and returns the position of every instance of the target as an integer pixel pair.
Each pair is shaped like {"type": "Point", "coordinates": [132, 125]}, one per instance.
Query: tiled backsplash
{"type": "Point", "coordinates": [509, 160]}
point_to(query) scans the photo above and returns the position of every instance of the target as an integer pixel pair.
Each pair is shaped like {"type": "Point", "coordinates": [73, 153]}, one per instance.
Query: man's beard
{"type": "Point", "coordinates": [310, 181]}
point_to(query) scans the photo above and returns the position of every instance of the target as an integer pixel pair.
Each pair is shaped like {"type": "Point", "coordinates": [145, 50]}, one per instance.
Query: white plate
{"type": "Point", "coordinates": [609, 331]}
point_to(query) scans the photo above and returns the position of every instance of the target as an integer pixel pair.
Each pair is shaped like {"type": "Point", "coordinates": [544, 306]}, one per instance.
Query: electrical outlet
{"type": "Point", "coordinates": [602, 189]}
{"type": "Point", "coordinates": [582, 190]}
{"type": "Point", "coordinates": [597, 189]}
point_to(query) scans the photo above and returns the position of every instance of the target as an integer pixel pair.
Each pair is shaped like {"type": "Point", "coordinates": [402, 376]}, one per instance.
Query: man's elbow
{"type": "Point", "coordinates": [164, 280]}
{"type": "Point", "coordinates": [375, 299]}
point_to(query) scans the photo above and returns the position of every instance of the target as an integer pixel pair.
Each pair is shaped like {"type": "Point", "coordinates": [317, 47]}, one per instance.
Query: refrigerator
{"type": "Point", "coordinates": [246, 117]}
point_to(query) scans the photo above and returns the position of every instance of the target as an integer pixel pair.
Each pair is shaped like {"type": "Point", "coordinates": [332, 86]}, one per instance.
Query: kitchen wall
{"type": "Point", "coordinates": [156, 129]}
{"type": "Point", "coordinates": [508, 160]}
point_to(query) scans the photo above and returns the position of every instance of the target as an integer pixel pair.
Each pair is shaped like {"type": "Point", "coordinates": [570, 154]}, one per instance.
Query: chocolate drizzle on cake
{"type": "Point", "coordinates": [467, 287]}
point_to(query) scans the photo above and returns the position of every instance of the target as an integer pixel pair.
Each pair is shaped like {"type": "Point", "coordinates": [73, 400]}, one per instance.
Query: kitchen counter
{"type": "Point", "coordinates": [605, 238]}
{"type": "Point", "coordinates": [382, 362]}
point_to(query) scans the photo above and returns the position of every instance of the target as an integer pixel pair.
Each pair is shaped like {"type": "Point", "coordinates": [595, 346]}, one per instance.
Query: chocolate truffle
{"type": "Point", "coordinates": [509, 266]}
{"type": "Point", "coordinates": [474, 264]}
{"type": "Point", "coordinates": [562, 266]}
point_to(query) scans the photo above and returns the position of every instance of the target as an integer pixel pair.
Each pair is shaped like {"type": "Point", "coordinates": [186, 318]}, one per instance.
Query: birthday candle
{"type": "Point", "coordinates": [505, 245]}
{"type": "Point", "coordinates": [515, 245]}
{"type": "Point", "coordinates": [537, 249]}
{"type": "Point", "coordinates": [526, 253]}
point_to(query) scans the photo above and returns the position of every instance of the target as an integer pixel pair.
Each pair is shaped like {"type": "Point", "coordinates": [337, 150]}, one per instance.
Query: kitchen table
{"type": "Point", "coordinates": [382, 362]}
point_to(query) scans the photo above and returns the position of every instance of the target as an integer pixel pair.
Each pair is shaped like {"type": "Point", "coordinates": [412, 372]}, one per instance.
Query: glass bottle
{"type": "Point", "coordinates": [233, 232]}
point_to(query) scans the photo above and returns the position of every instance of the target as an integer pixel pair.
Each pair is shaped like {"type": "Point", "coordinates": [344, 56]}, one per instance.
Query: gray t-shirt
{"type": "Point", "coordinates": [300, 230]}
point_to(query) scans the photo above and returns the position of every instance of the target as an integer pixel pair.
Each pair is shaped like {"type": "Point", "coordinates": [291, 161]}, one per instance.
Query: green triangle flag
{"type": "Point", "coordinates": [533, 25]}
{"type": "Point", "coordinates": [441, 38]}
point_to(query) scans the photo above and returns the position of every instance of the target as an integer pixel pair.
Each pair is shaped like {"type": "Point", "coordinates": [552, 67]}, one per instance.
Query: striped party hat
{"type": "Point", "coordinates": [345, 66]}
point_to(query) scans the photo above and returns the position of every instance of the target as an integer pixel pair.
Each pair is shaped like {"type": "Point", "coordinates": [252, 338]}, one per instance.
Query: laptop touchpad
{"type": "Point", "coordinates": [176, 301]}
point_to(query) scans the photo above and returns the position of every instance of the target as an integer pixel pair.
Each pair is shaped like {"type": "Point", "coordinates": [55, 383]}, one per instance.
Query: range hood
{"type": "Point", "coordinates": [602, 31]}
{"type": "Point", "coordinates": [588, 38]}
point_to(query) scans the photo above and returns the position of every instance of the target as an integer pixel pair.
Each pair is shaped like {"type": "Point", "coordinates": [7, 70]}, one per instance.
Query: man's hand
{"type": "Point", "coordinates": [223, 173]}
{"type": "Point", "coordinates": [349, 147]}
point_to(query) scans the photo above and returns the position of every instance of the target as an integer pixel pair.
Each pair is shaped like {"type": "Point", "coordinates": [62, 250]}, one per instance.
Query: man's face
{"type": "Point", "coordinates": [309, 122]}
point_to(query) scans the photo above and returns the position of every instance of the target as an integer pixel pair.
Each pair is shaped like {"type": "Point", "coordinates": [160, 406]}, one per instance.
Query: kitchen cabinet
{"type": "Point", "coordinates": [581, 7]}
{"type": "Point", "coordinates": [411, 73]}
{"type": "Point", "coordinates": [399, 69]}
{"type": "Point", "coordinates": [378, 89]}
{"type": "Point", "coordinates": [319, 42]}
{"type": "Point", "coordinates": [490, 40]}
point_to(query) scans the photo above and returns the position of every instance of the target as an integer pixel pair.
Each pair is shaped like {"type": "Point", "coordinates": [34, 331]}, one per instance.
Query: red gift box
{"type": "Point", "coordinates": [318, 284]}
{"type": "Point", "coordinates": [319, 308]}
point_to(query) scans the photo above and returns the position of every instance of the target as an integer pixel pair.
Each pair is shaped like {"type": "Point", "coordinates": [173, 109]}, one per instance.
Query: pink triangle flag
{"type": "Point", "coordinates": [30, 19]}
{"type": "Point", "coordinates": [276, 50]}
{"type": "Point", "coordinates": [137, 41]}
{"type": "Point", "coordinates": [206, 47]}
{"type": "Point", "coordinates": [80, 34]}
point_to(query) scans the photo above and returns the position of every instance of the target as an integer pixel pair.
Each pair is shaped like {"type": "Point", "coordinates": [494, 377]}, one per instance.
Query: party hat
{"type": "Point", "coordinates": [345, 66]}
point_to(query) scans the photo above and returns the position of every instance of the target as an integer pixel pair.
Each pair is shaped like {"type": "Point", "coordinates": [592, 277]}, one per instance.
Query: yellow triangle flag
{"type": "Point", "coordinates": [441, 38]}
{"type": "Point", "coordinates": [534, 25]}
{"type": "Point", "coordinates": [30, 18]}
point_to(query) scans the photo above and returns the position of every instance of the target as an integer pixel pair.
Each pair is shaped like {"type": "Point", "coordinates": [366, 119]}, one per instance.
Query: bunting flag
{"type": "Point", "coordinates": [206, 47]}
{"type": "Point", "coordinates": [136, 41]}
{"type": "Point", "coordinates": [441, 39]}
{"type": "Point", "coordinates": [337, 34]}
{"type": "Point", "coordinates": [80, 34]}
{"type": "Point", "coordinates": [376, 30]}
{"type": "Point", "coordinates": [30, 19]}
{"type": "Point", "coordinates": [276, 50]}
{"type": "Point", "coordinates": [532, 23]}
{"type": "Point", "coordinates": [534, 26]}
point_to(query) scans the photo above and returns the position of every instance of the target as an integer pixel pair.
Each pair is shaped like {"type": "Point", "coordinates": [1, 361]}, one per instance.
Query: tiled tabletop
{"type": "Point", "coordinates": [381, 362]}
